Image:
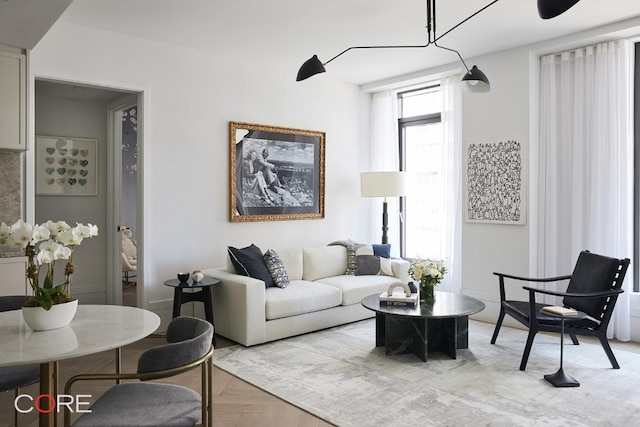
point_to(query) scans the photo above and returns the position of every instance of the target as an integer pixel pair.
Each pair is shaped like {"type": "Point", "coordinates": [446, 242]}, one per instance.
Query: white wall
{"type": "Point", "coordinates": [500, 114]}
{"type": "Point", "coordinates": [189, 98]}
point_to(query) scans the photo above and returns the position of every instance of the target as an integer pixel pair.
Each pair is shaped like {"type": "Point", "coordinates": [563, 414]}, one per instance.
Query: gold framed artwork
{"type": "Point", "coordinates": [66, 166]}
{"type": "Point", "coordinates": [276, 173]}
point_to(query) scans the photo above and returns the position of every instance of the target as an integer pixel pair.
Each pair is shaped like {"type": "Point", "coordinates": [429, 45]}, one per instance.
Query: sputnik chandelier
{"type": "Point", "coordinates": [474, 80]}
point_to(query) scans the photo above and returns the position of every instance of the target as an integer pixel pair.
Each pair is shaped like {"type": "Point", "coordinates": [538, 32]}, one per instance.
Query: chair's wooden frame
{"type": "Point", "coordinates": [206, 363]}
{"type": "Point", "coordinates": [554, 325]}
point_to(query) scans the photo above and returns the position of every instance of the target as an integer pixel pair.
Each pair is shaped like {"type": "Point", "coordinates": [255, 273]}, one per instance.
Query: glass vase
{"type": "Point", "coordinates": [427, 291]}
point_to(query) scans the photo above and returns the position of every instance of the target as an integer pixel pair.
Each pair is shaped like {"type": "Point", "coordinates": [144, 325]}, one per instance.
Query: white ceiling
{"type": "Point", "coordinates": [291, 31]}
{"type": "Point", "coordinates": [24, 22]}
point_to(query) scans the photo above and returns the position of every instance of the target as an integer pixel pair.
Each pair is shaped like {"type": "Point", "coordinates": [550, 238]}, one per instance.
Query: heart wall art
{"type": "Point", "coordinates": [66, 166]}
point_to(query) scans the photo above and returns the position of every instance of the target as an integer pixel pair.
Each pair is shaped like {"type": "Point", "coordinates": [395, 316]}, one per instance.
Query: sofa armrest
{"type": "Point", "coordinates": [400, 268]}
{"type": "Point", "coordinates": [238, 307]}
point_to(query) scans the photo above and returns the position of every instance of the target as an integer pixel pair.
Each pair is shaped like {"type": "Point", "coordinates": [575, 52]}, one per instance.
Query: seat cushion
{"type": "Point", "coordinates": [144, 404]}
{"type": "Point", "coordinates": [300, 297]}
{"type": "Point", "coordinates": [355, 288]}
{"type": "Point", "coordinates": [18, 376]}
{"type": "Point", "coordinates": [522, 308]}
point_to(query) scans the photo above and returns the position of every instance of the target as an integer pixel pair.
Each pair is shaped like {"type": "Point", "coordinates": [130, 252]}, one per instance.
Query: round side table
{"type": "Point", "coordinates": [204, 296]}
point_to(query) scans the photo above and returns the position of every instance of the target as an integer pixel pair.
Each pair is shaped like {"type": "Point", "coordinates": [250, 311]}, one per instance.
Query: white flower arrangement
{"type": "Point", "coordinates": [428, 272]}
{"type": "Point", "coordinates": [45, 244]}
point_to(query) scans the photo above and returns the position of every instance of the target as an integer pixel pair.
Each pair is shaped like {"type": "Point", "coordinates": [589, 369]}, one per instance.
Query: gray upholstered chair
{"type": "Point", "coordinates": [146, 403]}
{"type": "Point", "coordinates": [16, 377]}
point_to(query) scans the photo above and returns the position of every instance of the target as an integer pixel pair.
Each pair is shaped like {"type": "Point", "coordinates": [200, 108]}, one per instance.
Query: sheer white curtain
{"type": "Point", "coordinates": [385, 156]}
{"type": "Point", "coordinates": [452, 138]}
{"type": "Point", "coordinates": [586, 163]}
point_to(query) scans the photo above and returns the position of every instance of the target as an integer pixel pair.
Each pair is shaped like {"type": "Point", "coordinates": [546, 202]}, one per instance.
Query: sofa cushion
{"type": "Point", "coordinates": [276, 268]}
{"type": "Point", "coordinates": [324, 261]}
{"type": "Point", "coordinates": [382, 250]}
{"type": "Point", "coordinates": [292, 260]}
{"type": "Point", "coordinates": [373, 259]}
{"type": "Point", "coordinates": [355, 288]}
{"type": "Point", "coordinates": [300, 297]}
{"type": "Point", "coordinates": [350, 246]}
{"type": "Point", "coordinates": [249, 261]}
{"type": "Point", "coordinates": [373, 265]}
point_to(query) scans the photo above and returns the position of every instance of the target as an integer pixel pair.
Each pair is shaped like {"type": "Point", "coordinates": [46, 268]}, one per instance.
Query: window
{"type": "Point", "coordinates": [422, 231]}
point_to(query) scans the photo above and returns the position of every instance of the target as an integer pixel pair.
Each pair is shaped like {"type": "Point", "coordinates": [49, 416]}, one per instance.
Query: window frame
{"type": "Point", "coordinates": [404, 123]}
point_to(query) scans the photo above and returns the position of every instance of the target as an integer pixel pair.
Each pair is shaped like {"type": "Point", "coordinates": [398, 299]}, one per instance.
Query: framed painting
{"type": "Point", "coordinates": [276, 173]}
{"type": "Point", "coordinates": [496, 181]}
{"type": "Point", "coordinates": [66, 166]}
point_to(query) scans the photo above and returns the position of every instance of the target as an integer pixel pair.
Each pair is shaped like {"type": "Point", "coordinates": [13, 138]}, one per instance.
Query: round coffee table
{"type": "Point", "coordinates": [439, 326]}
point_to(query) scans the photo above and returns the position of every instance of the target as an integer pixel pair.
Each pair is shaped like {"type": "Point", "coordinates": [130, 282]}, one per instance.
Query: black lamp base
{"type": "Point", "coordinates": [385, 223]}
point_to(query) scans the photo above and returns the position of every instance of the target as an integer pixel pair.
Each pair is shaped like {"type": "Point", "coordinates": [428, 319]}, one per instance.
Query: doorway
{"type": "Point", "coordinates": [124, 116]}
{"type": "Point", "coordinates": [78, 110]}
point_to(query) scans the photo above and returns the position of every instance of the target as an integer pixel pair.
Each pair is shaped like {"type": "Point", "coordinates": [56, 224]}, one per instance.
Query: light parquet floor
{"type": "Point", "coordinates": [235, 402]}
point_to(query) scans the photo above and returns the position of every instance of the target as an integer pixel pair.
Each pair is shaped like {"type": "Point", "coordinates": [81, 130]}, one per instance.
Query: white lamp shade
{"type": "Point", "coordinates": [383, 184]}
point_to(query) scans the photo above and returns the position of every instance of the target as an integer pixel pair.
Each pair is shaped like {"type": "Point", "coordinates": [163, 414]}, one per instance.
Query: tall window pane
{"type": "Point", "coordinates": [421, 148]}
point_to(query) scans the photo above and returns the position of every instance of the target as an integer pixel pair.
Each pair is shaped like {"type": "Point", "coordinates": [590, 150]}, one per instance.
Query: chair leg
{"type": "Point", "coordinates": [574, 339]}
{"type": "Point", "coordinates": [527, 349]}
{"type": "Point", "coordinates": [607, 349]}
{"type": "Point", "coordinates": [498, 325]}
{"type": "Point", "coordinates": [16, 414]}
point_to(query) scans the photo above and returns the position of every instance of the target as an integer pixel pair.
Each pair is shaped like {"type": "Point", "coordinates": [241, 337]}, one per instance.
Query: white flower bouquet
{"type": "Point", "coordinates": [44, 244]}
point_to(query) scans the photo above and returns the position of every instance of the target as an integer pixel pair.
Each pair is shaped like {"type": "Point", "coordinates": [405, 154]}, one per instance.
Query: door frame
{"type": "Point", "coordinates": [113, 284]}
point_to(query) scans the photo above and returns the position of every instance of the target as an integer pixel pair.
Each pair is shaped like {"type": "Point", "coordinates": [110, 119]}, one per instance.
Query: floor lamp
{"type": "Point", "coordinates": [383, 184]}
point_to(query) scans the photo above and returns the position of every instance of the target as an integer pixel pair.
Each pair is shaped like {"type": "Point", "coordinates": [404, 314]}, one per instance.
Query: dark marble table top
{"type": "Point", "coordinates": [447, 304]}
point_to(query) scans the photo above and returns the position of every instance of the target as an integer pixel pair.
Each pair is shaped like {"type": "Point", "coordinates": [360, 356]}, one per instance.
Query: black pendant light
{"type": "Point", "coordinates": [474, 79]}
{"type": "Point", "coordinates": [551, 8]}
{"type": "Point", "coordinates": [310, 68]}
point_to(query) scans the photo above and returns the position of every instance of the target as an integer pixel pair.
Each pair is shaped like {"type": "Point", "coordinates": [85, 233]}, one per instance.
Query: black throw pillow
{"type": "Point", "coordinates": [249, 262]}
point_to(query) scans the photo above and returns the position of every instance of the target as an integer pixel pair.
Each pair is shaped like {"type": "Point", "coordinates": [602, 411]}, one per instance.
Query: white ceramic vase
{"type": "Point", "coordinates": [60, 315]}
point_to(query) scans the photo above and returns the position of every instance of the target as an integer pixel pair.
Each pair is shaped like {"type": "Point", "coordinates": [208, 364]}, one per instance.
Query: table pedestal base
{"type": "Point", "coordinates": [560, 379]}
{"type": "Point", "coordinates": [420, 336]}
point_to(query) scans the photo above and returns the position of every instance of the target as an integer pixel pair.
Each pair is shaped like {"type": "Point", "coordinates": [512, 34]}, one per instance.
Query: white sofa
{"type": "Point", "coordinates": [320, 295]}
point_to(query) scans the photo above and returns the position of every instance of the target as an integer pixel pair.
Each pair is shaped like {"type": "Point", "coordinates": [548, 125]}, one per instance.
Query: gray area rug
{"type": "Point", "coordinates": [338, 375]}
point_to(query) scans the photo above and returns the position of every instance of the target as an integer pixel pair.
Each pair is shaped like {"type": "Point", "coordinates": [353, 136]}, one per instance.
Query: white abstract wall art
{"type": "Point", "coordinates": [495, 181]}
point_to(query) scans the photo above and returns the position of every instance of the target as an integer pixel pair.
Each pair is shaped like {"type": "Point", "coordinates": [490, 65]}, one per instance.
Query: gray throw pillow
{"type": "Point", "coordinates": [276, 268]}
{"type": "Point", "coordinates": [352, 262]}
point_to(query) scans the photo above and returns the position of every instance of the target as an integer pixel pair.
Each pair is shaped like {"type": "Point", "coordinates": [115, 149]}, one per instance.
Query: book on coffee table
{"type": "Point", "coordinates": [398, 299]}
{"type": "Point", "coordinates": [559, 311]}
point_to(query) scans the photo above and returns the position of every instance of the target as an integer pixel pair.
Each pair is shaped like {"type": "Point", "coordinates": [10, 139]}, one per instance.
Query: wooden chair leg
{"type": "Point", "coordinates": [527, 349]}
{"type": "Point", "coordinates": [498, 325]}
{"type": "Point", "coordinates": [607, 349]}
{"type": "Point", "coordinates": [16, 414]}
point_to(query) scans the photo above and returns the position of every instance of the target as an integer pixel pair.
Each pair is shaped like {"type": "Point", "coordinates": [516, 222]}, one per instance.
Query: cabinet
{"type": "Point", "coordinates": [13, 278]}
{"type": "Point", "coordinates": [13, 98]}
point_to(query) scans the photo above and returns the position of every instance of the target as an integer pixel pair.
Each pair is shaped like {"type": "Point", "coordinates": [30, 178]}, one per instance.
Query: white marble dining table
{"type": "Point", "coordinates": [94, 328]}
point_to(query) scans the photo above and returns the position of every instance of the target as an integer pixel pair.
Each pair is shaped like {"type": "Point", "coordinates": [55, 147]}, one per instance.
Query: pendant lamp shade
{"type": "Point", "coordinates": [476, 81]}
{"type": "Point", "coordinates": [551, 8]}
{"type": "Point", "coordinates": [310, 68]}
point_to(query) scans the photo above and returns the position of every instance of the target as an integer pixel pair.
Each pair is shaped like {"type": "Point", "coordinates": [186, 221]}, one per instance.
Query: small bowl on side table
{"type": "Point", "coordinates": [183, 277]}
